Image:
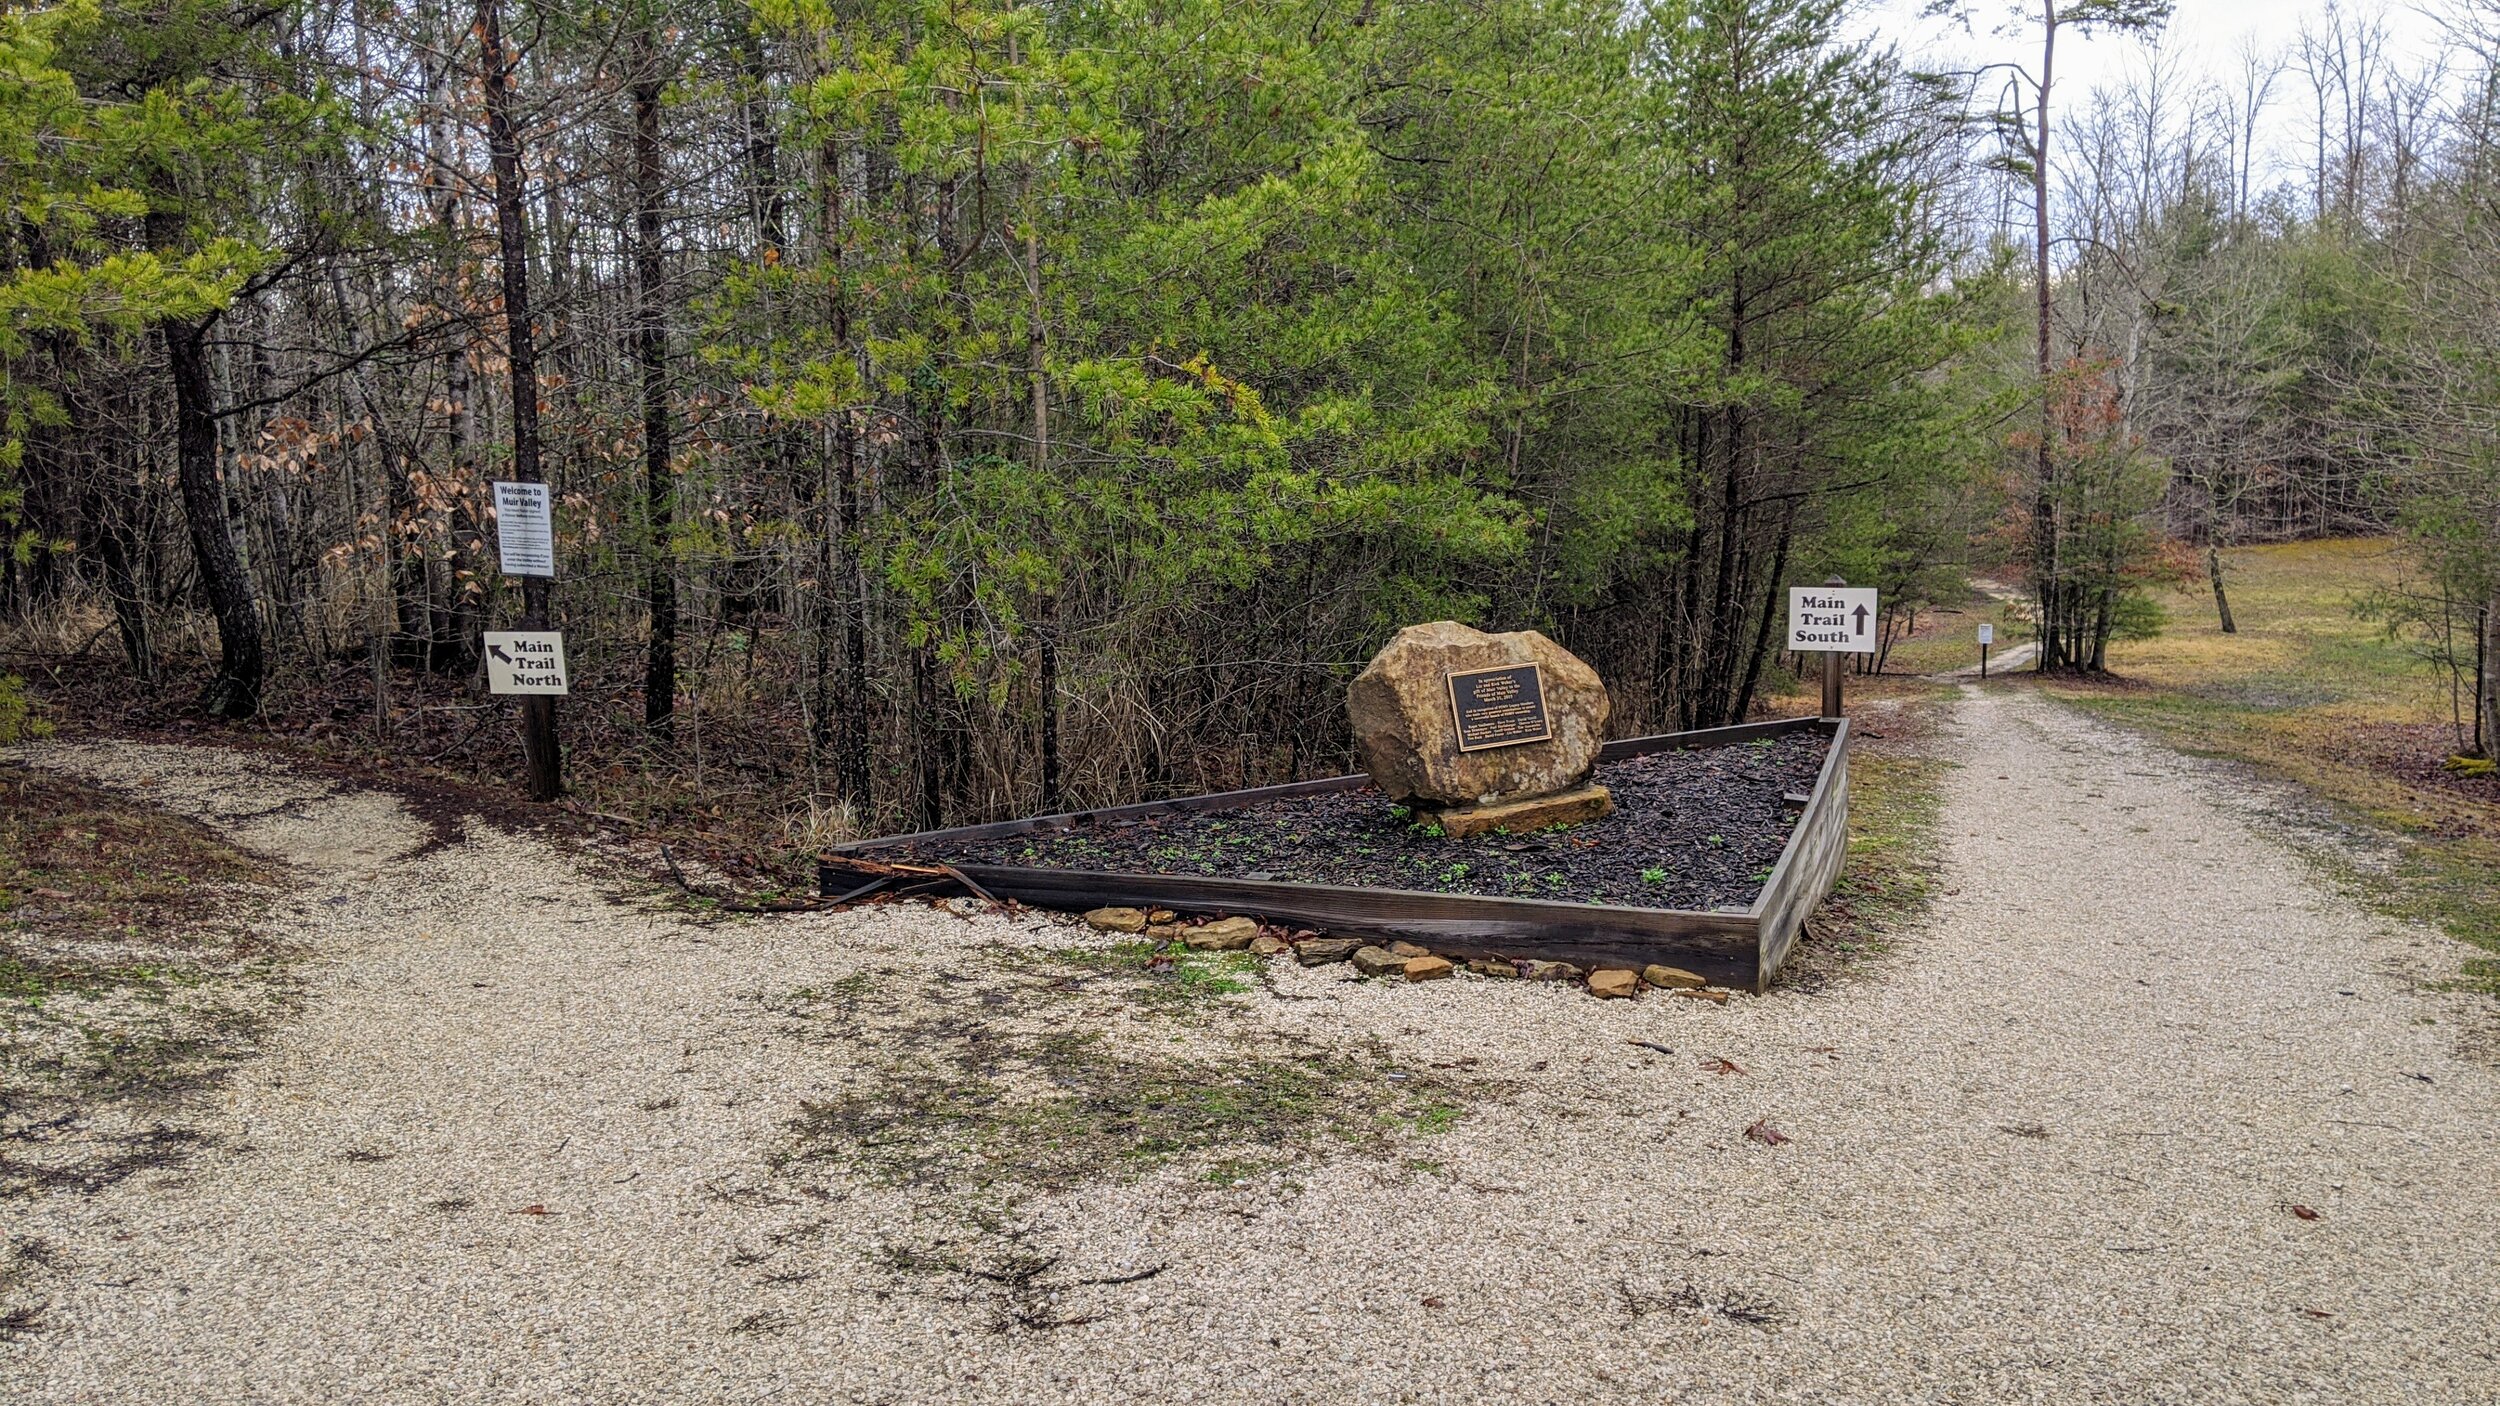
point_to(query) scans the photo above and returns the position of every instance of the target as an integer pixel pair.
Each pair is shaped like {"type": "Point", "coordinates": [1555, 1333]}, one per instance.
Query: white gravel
{"type": "Point", "coordinates": [2045, 1150]}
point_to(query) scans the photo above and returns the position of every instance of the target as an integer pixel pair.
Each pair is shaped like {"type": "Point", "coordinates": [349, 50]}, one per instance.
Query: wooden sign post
{"type": "Point", "coordinates": [540, 749]}
{"type": "Point", "coordinates": [1987, 637]}
{"type": "Point", "coordinates": [1832, 619]}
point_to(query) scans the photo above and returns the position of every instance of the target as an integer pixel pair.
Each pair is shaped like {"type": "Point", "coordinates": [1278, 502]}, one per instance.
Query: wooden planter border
{"type": "Point", "coordinates": [1732, 947]}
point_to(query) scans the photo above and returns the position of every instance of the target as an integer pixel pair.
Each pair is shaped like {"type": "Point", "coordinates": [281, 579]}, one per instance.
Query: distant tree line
{"type": "Point", "coordinates": [2251, 359]}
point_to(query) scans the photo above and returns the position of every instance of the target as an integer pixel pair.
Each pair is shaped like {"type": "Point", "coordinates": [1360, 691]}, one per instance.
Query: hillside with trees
{"type": "Point", "coordinates": [964, 409]}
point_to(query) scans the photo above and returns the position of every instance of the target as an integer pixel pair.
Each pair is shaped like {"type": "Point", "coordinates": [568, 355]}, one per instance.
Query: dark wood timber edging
{"type": "Point", "coordinates": [1732, 947]}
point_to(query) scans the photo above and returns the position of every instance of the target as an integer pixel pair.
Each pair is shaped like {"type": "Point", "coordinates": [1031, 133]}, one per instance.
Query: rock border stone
{"type": "Point", "coordinates": [1411, 961]}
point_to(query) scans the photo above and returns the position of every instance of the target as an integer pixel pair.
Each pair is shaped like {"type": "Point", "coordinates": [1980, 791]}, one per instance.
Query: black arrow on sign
{"type": "Point", "coordinates": [1861, 614]}
{"type": "Point", "coordinates": [497, 650]}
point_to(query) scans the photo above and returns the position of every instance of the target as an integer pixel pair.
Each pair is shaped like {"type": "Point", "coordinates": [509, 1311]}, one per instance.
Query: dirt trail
{"type": "Point", "coordinates": [2048, 1149]}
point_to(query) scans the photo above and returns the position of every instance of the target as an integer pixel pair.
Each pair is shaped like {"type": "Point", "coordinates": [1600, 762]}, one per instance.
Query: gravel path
{"type": "Point", "coordinates": [2045, 1150]}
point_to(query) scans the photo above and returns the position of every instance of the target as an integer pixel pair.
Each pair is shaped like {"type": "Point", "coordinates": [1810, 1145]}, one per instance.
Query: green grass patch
{"type": "Point", "coordinates": [1167, 974]}
{"type": "Point", "coordinates": [1896, 801]}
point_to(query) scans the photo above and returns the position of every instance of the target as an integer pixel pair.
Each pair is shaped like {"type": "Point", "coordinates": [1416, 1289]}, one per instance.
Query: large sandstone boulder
{"type": "Point", "coordinates": [1407, 732]}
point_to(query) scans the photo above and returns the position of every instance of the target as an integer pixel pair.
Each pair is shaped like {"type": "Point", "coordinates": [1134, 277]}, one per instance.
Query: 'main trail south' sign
{"type": "Point", "coordinates": [1832, 619]}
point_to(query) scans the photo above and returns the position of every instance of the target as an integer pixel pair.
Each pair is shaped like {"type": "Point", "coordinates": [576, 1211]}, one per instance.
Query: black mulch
{"type": "Point", "coordinates": [1691, 830]}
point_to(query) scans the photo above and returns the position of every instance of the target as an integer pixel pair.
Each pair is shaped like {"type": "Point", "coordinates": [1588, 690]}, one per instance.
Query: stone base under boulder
{"type": "Point", "coordinates": [1572, 807]}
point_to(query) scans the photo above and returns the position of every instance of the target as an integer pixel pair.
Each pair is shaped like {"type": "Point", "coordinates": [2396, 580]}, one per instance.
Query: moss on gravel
{"type": "Point", "coordinates": [996, 1087]}
{"type": "Point", "coordinates": [126, 977]}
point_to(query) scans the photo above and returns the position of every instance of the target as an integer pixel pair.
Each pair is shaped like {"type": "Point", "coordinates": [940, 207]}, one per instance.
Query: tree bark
{"type": "Point", "coordinates": [659, 487]}
{"type": "Point", "coordinates": [847, 582]}
{"type": "Point", "coordinates": [2222, 601]}
{"type": "Point", "coordinates": [1037, 344]}
{"type": "Point", "coordinates": [2482, 681]}
{"type": "Point", "coordinates": [450, 625]}
{"type": "Point", "coordinates": [541, 750]}
{"type": "Point", "coordinates": [241, 658]}
{"type": "Point", "coordinates": [2044, 499]}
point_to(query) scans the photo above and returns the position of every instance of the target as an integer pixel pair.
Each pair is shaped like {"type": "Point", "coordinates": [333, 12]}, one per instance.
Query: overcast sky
{"type": "Point", "coordinates": [2204, 35]}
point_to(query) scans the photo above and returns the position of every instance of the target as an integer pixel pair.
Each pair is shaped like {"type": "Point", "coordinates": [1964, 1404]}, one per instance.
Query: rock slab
{"type": "Point", "coordinates": [1525, 816]}
{"type": "Point", "coordinates": [1672, 978]}
{"type": "Point", "coordinates": [1378, 961]}
{"type": "Point", "coordinates": [1407, 733]}
{"type": "Point", "coordinates": [1222, 935]}
{"type": "Point", "coordinates": [1116, 920]}
{"type": "Point", "coordinates": [1320, 951]}
{"type": "Point", "coordinates": [1614, 982]}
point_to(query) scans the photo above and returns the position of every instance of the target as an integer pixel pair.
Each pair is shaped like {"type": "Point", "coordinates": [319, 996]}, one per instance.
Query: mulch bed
{"type": "Point", "coordinates": [1694, 830]}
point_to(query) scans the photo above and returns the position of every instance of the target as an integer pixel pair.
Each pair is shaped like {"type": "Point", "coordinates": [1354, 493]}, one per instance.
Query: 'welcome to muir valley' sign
{"type": "Point", "coordinates": [1500, 707]}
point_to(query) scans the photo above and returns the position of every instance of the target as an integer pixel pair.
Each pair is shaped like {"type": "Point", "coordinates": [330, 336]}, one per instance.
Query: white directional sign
{"type": "Point", "coordinates": [525, 661]}
{"type": "Point", "coordinates": [525, 529]}
{"type": "Point", "coordinates": [1832, 619]}
{"type": "Point", "coordinates": [1987, 634]}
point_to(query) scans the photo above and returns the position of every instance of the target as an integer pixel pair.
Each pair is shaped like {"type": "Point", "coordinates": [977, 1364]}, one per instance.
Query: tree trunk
{"type": "Point", "coordinates": [2044, 497]}
{"type": "Point", "coordinates": [540, 748]}
{"type": "Point", "coordinates": [659, 487]}
{"type": "Point", "coordinates": [2222, 602]}
{"type": "Point", "coordinates": [450, 625]}
{"type": "Point", "coordinates": [241, 662]}
{"type": "Point", "coordinates": [1760, 648]}
{"type": "Point", "coordinates": [119, 545]}
{"type": "Point", "coordinates": [2487, 679]}
{"type": "Point", "coordinates": [846, 579]}
{"type": "Point", "coordinates": [1036, 346]}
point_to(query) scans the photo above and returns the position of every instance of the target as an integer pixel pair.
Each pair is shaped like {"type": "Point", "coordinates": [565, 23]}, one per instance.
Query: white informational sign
{"type": "Point", "coordinates": [1832, 619]}
{"type": "Point", "coordinates": [525, 529]}
{"type": "Point", "coordinates": [1987, 634]}
{"type": "Point", "coordinates": [525, 661]}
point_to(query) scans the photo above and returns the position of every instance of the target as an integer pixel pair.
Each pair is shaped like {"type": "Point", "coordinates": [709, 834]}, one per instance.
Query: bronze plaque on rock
{"type": "Point", "coordinates": [1499, 707]}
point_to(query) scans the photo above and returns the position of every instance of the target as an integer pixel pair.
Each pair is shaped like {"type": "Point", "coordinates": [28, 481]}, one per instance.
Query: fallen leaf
{"type": "Point", "coordinates": [1432, 1301]}
{"type": "Point", "coordinates": [56, 895]}
{"type": "Point", "coordinates": [1719, 1065]}
{"type": "Point", "coordinates": [2304, 1212]}
{"type": "Point", "coordinates": [533, 1209]}
{"type": "Point", "coordinates": [1762, 1132]}
{"type": "Point", "coordinates": [2319, 1312]}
